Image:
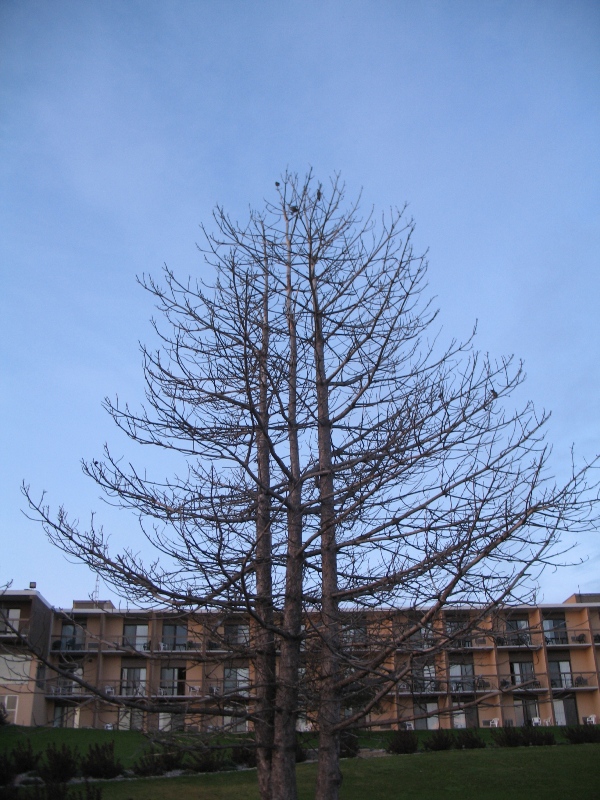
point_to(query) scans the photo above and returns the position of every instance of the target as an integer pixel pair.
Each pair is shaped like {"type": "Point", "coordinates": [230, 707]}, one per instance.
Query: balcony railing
{"type": "Point", "coordinates": [421, 686]}
{"type": "Point", "coordinates": [70, 643]}
{"type": "Point", "coordinates": [566, 637]}
{"type": "Point", "coordinates": [523, 683]}
{"type": "Point", "coordinates": [520, 638]}
{"type": "Point", "coordinates": [573, 680]}
{"type": "Point", "coordinates": [181, 689]}
{"type": "Point", "coordinates": [21, 626]}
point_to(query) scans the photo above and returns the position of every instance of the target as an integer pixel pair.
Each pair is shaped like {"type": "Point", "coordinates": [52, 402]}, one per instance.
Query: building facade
{"type": "Point", "coordinates": [94, 665]}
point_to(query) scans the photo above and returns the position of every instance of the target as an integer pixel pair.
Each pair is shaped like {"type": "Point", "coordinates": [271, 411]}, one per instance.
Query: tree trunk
{"type": "Point", "coordinates": [329, 776]}
{"type": "Point", "coordinates": [264, 643]}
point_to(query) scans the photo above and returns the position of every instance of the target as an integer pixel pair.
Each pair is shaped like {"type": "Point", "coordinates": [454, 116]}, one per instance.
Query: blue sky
{"type": "Point", "coordinates": [123, 123]}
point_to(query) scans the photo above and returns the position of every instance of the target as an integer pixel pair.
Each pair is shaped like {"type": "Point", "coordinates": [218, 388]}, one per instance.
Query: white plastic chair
{"type": "Point", "coordinates": [495, 722]}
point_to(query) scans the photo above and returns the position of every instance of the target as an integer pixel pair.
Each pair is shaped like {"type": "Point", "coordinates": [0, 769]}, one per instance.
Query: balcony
{"type": "Point", "coordinates": [72, 644]}
{"type": "Point", "coordinates": [566, 637]}
{"type": "Point", "coordinates": [523, 683]}
{"type": "Point", "coordinates": [177, 645]}
{"type": "Point", "coordinates": [418, 685]}
{"type": "Point", "coordinates": [180, 689]}
{"type": "Point", "coordinates": [573, 680]}
{"type": "Point", "coordinates": [471, 684]}
{"type": "Point", "coordinates": [21, 627]}
{"type": "Point", "coordinates": [521, 638]}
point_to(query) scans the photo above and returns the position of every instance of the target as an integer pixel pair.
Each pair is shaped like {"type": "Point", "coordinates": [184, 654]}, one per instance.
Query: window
{"type": "Point", "coordinates": [429, 723]}
{"type": "Point", "coordinates": [9, 704]}
{"type": "Point", "coordinates": [133, 681]}
{"type": "Point", "coordinates": [15, 668]}
{"type": "Point", "coordinates": [174, 636]}
{"type": "Point", "coordinates": [237, 635]}
{"type": "Point", "coordinates": [172, 681]}
{"type": "Point", "coordinates": [555, 629]}
{"type": "Point", "coordinates": [525, 710]}
{"type": "Point", "coordinates": [236, 680]}
{"type": "Point", "coordinates": [135, 634]}
{"type": "Point", "coordinates": [72, 635]}
{"type": "Point", "coordinates": [522, 672]}
{"type": "Point", "coordinates": [9, 619]}
{"type": "Point", "coordinates": [131, 720]}
{"type": "Point", "coordinates": [169, 722]}
{"type": "Point", "coordinates": [565, 711]}
{"type": "Point", "coordinates": [462, 676]}
{"type": "Point", "coordinates": [560, 672]}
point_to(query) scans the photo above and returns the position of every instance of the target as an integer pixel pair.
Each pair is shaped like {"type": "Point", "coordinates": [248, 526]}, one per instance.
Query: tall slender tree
{"type": "Point", "coordinates": [339, 459]}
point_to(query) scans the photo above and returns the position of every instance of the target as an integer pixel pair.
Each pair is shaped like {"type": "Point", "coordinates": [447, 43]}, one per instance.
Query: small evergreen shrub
{"type": "Point", "coordinates": [59, 764]}
{"type": "Point", "coordinates": [207, 760]}
{"type": "Point", "coordinates": [171, 757]}
{"type": "Point", "coordinates": [403, 742]}
{"type": "Point", "coordinates": [439, 740]}
{"type": "Point", "coordinates": [7, 768]}
{"type": "Point", "coordinates": [149, 763]}
{"type": "Point", "coordinates": [301, 754]}
{"type": "Point", "coordinates": [582, 734]}
{"type": "Point", "coordinates": [100, 761]}
{"type": "Point", "coordinates": [243, 755]}
{"type": "Point", "coordinates": [23, 756]}
{"type": "Point", "coordinates": [507, 737]}
{"type": "Point", "coordinates": [536, 736]}
{"type": "Point", "coordinates": [349, 744]}
{"type": "Point", "coordinates": [468, 739]}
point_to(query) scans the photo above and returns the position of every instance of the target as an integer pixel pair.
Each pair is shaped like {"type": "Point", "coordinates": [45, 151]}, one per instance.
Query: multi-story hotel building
{"type": "Point", "coordinates": [536, 664]}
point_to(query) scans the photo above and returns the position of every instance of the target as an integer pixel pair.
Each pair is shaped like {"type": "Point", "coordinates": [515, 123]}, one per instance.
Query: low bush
{"type": "Point", "coordinates": [468, 739]}
{"type": "Point", "coordinates": [100, 761]}
{"type": "Point", "coordinates": [301, 754]}
{"type": "Point", "coordinates": [244, 756]}
{"type": "Point", "coordinates": [349, 744]}
{"type": "Point", "coordinates": [148, 763]}
{"type": "Point", "coordinates": [23, 756]}
{"type": "Point", "coordinates": [59, 764]}
{"type": "Point", "coordinates": [403, 742]}
{"type": "Point", "coordinates": [507, 737]}
{"type": "Point", "coordinates": [536, 736]}
{"type": "Point", "coordinates": [207, 760]}
{"type": "Point", "coordinates": [60, 791]}
{"type": "Point", "coordinates": [582, 734]}
{"type": "Point", "coordinates": [439, 740]}
{"type": "Point", "coordinates": [7, 768]}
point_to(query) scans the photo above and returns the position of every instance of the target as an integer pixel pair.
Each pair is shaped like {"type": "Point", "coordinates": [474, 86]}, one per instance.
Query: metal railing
{"type": "Point", "coordinates": [21, 625]}
{"type": "Point", "coordinates": [523, 683]}
{"type": "Point", "coordinates": [565, 637]}
{"type": "Point", "coordinates": [573, 680]}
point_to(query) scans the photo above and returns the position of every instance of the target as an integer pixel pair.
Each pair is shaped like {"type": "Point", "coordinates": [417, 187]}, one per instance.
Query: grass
{"type": "Point", "coordinates": [552, 773]}
{"type": "Point", "coordinates": [523, 773]}
{"type": "Point", "coordinates": [128, 744]}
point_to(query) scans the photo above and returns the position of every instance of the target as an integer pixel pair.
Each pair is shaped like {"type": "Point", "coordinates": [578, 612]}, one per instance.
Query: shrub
{"type": "Point", "coordinates": [7, 769]}
{"type": "Point", "coordinates": [582, 734]}
{"type": "Point", "coordinates": [60, 764]}
{"type": "Point", "coordinates": [403, 742]}
{"type": "Point", "coordinates": [60, 791]}
{"type": "Point", "coordinates": [149, 763]}
{"type": "Point", "coordinates": [3, 715]}
{"type": "Point", "coordinates": [23, 756]}
{"type": "Point", "coordinates": [100, 762]}
{"type": "Point", "coordinates": [170, 757]}
{"type": "Point", "coordinates": [301, 754]}
{"type": "Point", "coordinates": [349, 744]}
{"type": "Point", "coordinates": [468, 739]}
{"type": "Point", "coordinates": [536, 736]}
{"type": "Point", "coordinates": [439, 740]}
{"type": "Point", "coordinates": [207, 760]}
{"type": "Point", "coordinates": [243, 755]}
{"type": "Point", "coordinates": [507, 737]}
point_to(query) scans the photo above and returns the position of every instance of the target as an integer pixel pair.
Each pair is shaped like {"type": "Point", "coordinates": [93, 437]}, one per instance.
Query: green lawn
{"type": "Point", "coordinates": [565, 772]}
{"type": "Point", "coordinates": [552, 773]}
{"type": "Point", "coordinates": [128, 744]}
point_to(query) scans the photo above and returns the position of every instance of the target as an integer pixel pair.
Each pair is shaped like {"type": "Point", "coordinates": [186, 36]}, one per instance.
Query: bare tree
{"type": "Point", "coordinates": [338, 459]}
